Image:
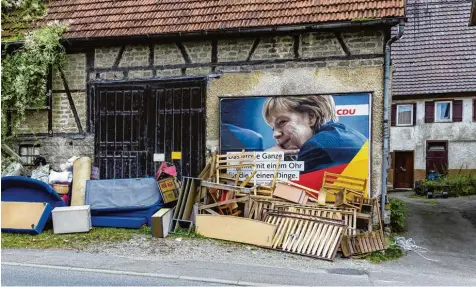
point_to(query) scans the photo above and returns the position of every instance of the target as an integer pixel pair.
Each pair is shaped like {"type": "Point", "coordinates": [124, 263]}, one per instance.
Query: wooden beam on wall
{"type": "Point", "coordinates": [183, 51]}
{"type": "Point", "coordinates": [248, 63]}
{"type": "Point", "coordinates": [214, 53]}
{"type": "Point", "coordinates": [253, 49]}
{"type": "Point", "coordinates": [119, 57]}
{"type": "Point", "coordinates": [297, 46]}
{"type": "Point", "coordinates": [71, 102]}
{"type": "Point", "coordinates": [342, 43]}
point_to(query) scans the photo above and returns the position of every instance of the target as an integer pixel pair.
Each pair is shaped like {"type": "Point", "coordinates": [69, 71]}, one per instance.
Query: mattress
{"type": "Point", "coordinates": [113, 195]}
{"type": "Point", "coordinates": [143, 213]}
{"type": "Point", "coordinates": [118, 222]}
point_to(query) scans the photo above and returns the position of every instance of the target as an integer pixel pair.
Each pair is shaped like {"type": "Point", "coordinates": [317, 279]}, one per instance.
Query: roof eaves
{"type": "Point", "coordinates": [391, 21]}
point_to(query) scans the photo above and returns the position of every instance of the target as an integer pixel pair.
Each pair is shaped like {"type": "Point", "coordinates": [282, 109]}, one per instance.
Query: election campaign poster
{"type": "Point", "coordinates": [310, 134]}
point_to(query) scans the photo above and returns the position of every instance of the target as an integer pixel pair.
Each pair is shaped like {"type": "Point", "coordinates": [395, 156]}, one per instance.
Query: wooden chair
{"type": "Point", "coordinates": [225, 162]}
{"type": "Point", "coordinates": [348, 191]}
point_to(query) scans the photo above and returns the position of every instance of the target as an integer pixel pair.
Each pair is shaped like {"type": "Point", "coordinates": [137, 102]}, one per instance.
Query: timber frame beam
{"type": "Point", "coordinates": [71, 102]}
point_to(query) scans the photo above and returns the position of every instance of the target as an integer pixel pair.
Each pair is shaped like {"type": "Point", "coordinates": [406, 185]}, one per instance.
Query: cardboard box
{"type": "Point", "coordinates": [161, 222]}
{"type": "Point", "coordinates": [71, 219]}
{"type": "Point", "coordinates": [169, 188]}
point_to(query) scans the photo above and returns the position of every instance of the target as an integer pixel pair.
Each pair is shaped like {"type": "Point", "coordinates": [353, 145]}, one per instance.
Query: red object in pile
{"type": "Point", "coordinates": [65, 198]}
{"type": "Point", "coordinates": [168, 169]}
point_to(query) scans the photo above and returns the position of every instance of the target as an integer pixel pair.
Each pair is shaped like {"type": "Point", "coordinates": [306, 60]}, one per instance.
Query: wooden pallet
{"type": "Point", "coordinates": [348, 216]}
{"type": "Point", "coordinates": [306, 235]}
{"type": "Point", "coordinates": [363, 243]}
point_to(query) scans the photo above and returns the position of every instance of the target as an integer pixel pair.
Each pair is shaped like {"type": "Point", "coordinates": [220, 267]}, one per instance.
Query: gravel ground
{"type": "Point", "coordinates": [170, 249]}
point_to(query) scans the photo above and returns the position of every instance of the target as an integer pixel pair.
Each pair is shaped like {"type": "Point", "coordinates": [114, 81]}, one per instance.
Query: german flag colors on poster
{"type": "Point", "coordinates": [310, 134]}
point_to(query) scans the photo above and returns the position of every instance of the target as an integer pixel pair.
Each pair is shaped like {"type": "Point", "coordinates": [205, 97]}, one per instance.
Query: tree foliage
{"type": "Point", "coordinates": [25, 71]}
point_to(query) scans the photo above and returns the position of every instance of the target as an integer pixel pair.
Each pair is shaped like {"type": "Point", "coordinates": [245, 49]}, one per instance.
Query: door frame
{"type": "Point", "coordinates": [394, 153]}
{"type": "Point", "coordinates": [446, 142]}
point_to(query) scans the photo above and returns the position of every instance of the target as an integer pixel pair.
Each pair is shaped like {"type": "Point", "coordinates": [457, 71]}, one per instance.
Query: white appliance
{"type": "Point", "coordinates": [72, 219]}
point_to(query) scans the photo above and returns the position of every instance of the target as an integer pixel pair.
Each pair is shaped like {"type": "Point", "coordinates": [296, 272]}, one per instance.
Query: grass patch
{"type": "Point", "coordinates": [185, 234]}
{"type": "Point", "coordinates": [393, 252]}
{"type": "Point", "coordinates": [432, 201]}
{"type": "Point", "coordinates": [48, 240]}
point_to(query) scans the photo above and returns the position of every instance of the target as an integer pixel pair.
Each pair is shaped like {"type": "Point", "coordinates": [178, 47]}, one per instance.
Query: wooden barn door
{"type": "Point", "coordinates": [133, 122]}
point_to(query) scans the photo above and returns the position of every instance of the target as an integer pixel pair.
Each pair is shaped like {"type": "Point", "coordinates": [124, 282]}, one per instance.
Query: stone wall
{"type": "Point", "coordinates": [304, 73]}
{"type": "Point", "coordinates": [60, 148]}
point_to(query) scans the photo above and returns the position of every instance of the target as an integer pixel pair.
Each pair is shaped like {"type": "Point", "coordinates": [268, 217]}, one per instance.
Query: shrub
{"type": "Point", "coordinates": [398, 215]}
{"type": "Point", "coordinates": [457, 184]}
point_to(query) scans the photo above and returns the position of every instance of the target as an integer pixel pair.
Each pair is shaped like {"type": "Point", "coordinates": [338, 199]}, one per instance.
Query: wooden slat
{"type": "Point", "coordinates": [225, 202]}
{"type": "Point", "coordinates": [236, 229]}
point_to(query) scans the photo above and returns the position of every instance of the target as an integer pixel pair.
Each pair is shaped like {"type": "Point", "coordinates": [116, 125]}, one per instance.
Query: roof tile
{"type": "Point", "coordinates": [437, 53]}
{"type": "Point", "coordinates": [98, 18]}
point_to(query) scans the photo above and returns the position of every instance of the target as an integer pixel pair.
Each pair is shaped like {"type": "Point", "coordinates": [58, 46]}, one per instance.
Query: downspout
{"type": "Point", "coordinates": [386, 128]}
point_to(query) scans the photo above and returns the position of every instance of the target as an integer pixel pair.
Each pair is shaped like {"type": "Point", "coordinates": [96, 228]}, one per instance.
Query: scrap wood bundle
{"type": "Point", "coordinates": [308, 222]}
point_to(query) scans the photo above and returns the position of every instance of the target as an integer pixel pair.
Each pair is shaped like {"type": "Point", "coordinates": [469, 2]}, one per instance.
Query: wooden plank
{"type": "Point", "coordinates": [248, 178]}
{"type": "Point", "coordinates": [225, 202]}
{"type": "Point", "coordinates": [211, 211]}
{"type": "Point", "coordinates": [291, 235]}
{"type": "Point", "coordinates": [275, 175]}
{"type": "Point", "coordinates": [226, 187]}
{"type": "Point", "coordinates": [350, 244]}
{"type": "Point", "coordinates": [367, 242]}
{"type": "Point", "coordinates": [181, 204]}
{"type": "Point", "coordinates": [319, 240]}
{"type": "Point", "coordinates": [344, 246]}
{"type": "Point", "coordinates": [237, 229]}
{"type": "Point", "coordinates": [383, 239]}
{"type": "Point", "coordinates": [23, 215]}
{"type": "Point", "coordinates": [325, 240]}
{"type": "Point", "coordinates": [306, 230]}
{"type": "Point", "coordinates": [310, 190]}
{"type": "Point", "coordinates": [302, 233]}
{"type": "Point", "coordinates": [279, 232]}
{"type": "Point", "coordinates": [289, 193]}
{"type": "Point", "coordinates": [335, 243]}
{"type": "Point", "coordinates": [190, 201]}
{"type": "Point", "coordinates": [307, 239]}
{"type": "Point", "coordinates": [314, 238]}
{"type": "Point", "coordinates": [358, 246]}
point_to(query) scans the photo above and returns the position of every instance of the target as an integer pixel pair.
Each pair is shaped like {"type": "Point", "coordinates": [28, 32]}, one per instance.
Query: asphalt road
{"type": "Point", "coordinates": [34, 276]}
{"type": "Point", "coordinates": [443, 228]}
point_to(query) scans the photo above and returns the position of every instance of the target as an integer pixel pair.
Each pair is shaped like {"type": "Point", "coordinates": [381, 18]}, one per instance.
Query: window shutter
{"type": "Point", "coordinates": [393, 117]}
{"type": "Point", "coordinates": [414, 114]}
{"type": "Point", "coordinates": [458, 111]}
{"type": "Point", "coordinates": [429, 112]}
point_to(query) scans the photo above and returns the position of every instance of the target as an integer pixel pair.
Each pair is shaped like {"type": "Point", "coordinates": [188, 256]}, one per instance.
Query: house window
{"type": "Point", "coordinates": [28, 153]}
{"type": "Point", "coordinates": [443, 112]}
{"type": "Point", "coordinates": [404, 115]}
